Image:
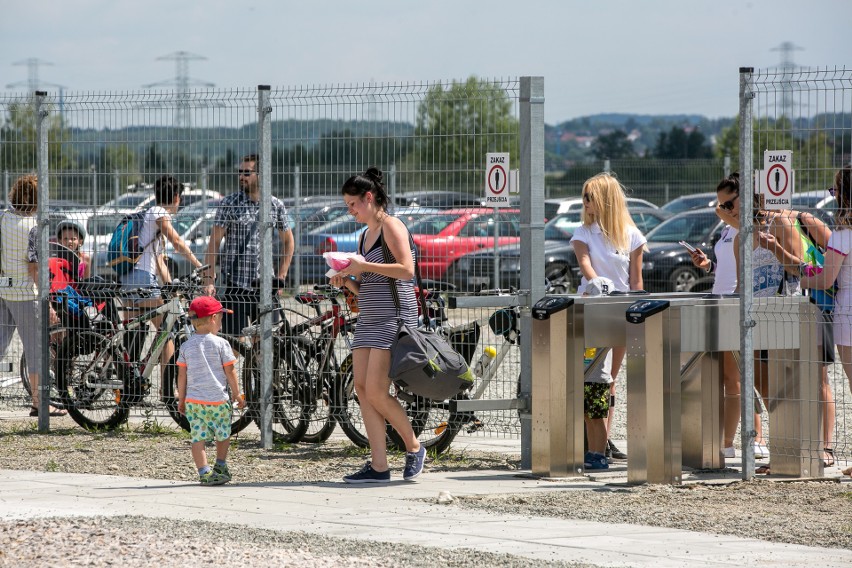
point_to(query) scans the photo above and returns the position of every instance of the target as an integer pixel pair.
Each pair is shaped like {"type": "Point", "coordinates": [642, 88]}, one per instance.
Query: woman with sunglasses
{"type": "Point", "coordinates": [608, 244]}
{"type": "Point", "coordinates": [725, 282]}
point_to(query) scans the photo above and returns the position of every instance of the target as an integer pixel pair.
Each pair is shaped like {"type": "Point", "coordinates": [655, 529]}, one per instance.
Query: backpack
{"type": "Point", "coordinates": [125, 247]}
{"type": "Point", "coordinates": [815, 256]}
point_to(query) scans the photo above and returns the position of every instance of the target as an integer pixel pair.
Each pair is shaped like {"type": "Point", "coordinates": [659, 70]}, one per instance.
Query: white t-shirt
{"type": "Point", "coordinates": [606, 260]}
{"type": "Point", "coordinates": [17, 254]}
{"type": "Point", "coordinates": [602, 372]}
{"type": "Point", "coordinates": [840, 242]}
{"type": "Point", "coordinates": [726, 262]}
{"type": "Point", "coordinates": [205, 357]}
{"type": "Point", "coordinates": [150, 238]}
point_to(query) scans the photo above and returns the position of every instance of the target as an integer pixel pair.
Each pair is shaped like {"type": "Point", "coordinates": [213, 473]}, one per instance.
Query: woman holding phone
{"type": "Point", "coordinates": [725, 270]}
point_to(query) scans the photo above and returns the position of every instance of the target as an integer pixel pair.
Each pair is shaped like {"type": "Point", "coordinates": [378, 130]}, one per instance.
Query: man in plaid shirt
{"type": "Point", "coordinates": [235, 242]}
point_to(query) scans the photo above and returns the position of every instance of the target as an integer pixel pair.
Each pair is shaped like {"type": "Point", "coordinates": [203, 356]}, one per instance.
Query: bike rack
{"type": "Point", "coordinates": [521, 404]}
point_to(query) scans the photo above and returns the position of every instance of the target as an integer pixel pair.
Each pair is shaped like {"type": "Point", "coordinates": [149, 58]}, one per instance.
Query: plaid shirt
{"type": "Point", "coordinates": [239, 257]}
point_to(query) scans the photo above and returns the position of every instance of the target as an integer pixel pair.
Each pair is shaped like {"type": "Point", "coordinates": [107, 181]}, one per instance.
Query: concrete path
{"type": "Point", "coordinates": [401, 512]}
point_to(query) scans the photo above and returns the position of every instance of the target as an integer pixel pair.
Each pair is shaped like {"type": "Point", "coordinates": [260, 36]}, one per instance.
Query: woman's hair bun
{"type": "Point", "coordinates": [374, 174]}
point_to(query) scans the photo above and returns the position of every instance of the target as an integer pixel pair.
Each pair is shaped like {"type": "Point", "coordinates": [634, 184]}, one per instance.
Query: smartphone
{"type": "Point", "coordinates": [687, 246]}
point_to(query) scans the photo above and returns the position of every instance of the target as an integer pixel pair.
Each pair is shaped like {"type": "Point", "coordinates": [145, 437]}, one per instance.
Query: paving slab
{"type": "Point", "coordinates": [403, 512]}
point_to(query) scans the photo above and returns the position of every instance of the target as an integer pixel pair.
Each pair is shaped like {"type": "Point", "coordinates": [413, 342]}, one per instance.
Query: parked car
{"type": "Point", "coordinates": [819, 200]}
{"type": "Point", "coordinates": [667, 266]}
{"type": "Point", "coordinates": [139, 200]}
{"type": "Point", "coordinates": [553, 207]}
{"type": "Point", "coordinates": [443, 237]}
{"type": "Point", "coordinates": [475, 270]}
{"type": "Point", "coordinates": [688, 202]}
{"type": "Point", "coordinates": [439, 199]}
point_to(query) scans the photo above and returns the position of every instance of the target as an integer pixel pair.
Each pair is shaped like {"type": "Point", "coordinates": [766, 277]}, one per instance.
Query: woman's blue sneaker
{"type": "Point", "coordinates": [414, 463]}
{"type": "Point", "coordinates": [368, 475]}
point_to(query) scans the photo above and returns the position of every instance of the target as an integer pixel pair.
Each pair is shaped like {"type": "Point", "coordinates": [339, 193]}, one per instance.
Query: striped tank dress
{"type": "Point", "coordinates": [377, 318]}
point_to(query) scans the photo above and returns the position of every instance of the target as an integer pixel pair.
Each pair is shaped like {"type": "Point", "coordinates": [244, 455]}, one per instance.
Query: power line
{"type": "Point", "coordinates": [182, 81]}
{"type": "Point", "coordinates": [787, 67]}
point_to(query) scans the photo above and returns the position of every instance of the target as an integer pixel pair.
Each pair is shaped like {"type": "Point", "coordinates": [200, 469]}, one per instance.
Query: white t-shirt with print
{"type": "Point", "coordinates": [726, 262]}
{"type": "Point", "coordinates": [606, 260]}
{"type": "Point", "coordinates": [150, 238]}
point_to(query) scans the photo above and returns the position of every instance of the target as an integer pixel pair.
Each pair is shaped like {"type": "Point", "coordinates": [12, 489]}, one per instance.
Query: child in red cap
{"type": "Point", "coordinates": [206, 374]}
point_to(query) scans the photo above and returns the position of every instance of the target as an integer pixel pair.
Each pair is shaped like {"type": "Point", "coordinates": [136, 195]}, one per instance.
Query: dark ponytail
{"type": "Point", "coordinates": [368, 182]}
{"type": "Point", "coordinates": [843, 194]}
{"type": "Point", "coordinates": [730, 183]}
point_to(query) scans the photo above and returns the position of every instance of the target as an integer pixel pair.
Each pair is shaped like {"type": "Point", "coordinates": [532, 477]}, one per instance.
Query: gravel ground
{"type": "Point", "coordinates": [809, 513]}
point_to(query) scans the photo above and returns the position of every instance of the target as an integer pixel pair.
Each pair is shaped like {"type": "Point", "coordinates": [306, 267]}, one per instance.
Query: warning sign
{"type": "Point", "coordinates": [497, 179]}
{"type": "Point", "coordinates": [776, 179]}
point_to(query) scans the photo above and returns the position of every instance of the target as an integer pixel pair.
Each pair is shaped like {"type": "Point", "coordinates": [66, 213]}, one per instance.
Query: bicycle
{"type": "Point", "coordinates": [306, 367]}
{"type": "Point", "coordinates": [97, 379]}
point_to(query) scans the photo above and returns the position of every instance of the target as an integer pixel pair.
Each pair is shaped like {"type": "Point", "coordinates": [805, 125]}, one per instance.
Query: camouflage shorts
{"type": "Point", "coordinates": [596, 400]}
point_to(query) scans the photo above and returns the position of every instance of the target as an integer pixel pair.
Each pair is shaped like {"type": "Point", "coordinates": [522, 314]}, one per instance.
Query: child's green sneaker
{"type": "Point", "coordinates": [222, 470]}
{"type": "Point", "coordinates": [212, 478]}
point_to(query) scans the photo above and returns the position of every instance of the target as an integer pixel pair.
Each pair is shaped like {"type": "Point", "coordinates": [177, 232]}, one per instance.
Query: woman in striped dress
{"type": "Point", "coordinates": [371, 279]}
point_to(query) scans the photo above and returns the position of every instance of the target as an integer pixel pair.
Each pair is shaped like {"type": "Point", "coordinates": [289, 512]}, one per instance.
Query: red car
{"type": "Point", "coordinates": [444, 237]}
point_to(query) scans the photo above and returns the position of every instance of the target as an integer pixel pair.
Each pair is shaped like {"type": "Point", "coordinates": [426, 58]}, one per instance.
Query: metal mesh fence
{"type": "Point", "coordinates": [107, 150]}
{"type": "Point", "coordinates": [796, 369]}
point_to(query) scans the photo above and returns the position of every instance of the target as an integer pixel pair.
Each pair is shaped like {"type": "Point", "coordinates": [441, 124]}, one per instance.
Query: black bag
{"type": "Point", "coordinates": [422, 362]}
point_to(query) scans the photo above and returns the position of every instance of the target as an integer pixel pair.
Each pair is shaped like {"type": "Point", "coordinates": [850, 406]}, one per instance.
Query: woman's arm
{"type": "Point", "coordinates": [168, 231]}
{"type": "Point", "coordinates": [636, 268]}
{"type": "Point", "coordinates": [584, 260]}
{"type": "Point", "coordinates": [824, 279]}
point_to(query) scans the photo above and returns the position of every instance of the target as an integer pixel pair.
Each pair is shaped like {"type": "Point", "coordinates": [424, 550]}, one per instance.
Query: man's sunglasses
{"type": "Point", "coordinates": [728, 205]}
{"type": "Point", "coordinates": [246, 172]}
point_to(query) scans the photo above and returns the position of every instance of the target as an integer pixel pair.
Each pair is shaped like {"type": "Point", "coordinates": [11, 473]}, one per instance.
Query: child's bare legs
{"type": "Point", "coordinates": [199, 456]}
{"type": "Point", "coordinates": [222, 450]}
{"type": "Point", "coordinates": [596, 433]}
{"type": "Point", "coordinates": [761, 383]}
{"type": "Point", "coordinates": [826, 398]}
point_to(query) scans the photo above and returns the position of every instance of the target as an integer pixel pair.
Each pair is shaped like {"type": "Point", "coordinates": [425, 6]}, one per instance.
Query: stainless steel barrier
{"type": "Point", "coordinates": [668, 417]}
{"type": "Point", "coordinates": [674, 387]}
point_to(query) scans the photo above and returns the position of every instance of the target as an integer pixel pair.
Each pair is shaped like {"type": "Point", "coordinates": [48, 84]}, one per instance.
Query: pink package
{"type": "Point", "coordinates": [338, 260]}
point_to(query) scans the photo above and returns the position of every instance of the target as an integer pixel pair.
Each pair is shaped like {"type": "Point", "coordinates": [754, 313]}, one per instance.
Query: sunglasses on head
{"type": "Point", "coordinates": [728, 205]}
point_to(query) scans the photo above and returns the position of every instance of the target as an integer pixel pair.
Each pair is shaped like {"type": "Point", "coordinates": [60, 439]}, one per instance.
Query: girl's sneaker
{"type": "Point", "coordinates": [414, 463]}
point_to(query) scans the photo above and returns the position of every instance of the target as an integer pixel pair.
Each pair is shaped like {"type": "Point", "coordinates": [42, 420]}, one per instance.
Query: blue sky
{"type": "Point", "coordinates": [645, 57]}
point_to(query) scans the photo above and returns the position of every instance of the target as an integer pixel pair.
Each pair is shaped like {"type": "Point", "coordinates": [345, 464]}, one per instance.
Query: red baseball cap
{"type": "Point", "coordinates": [204, 306]}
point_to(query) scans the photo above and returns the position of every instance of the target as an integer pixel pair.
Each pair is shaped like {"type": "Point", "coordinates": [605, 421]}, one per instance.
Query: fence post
{"type": "Point", "coordinates": [5, 187]}
{"type": "Point", "coordinates": [392, 186]}
{"type": "Point", "coordinates": [43, 270]}
{"type": "Point", "coordinates": [116, 183]}
{"type": "Point", "coordinates": [607, 166]}
{"type": "Point", "coordinates": [745, 273]}
{"type": "Point", "coordinates": [94, 185]}
{"type": "Point", "coordinates": [205, 196]}
{"type": "Point", "coordinates": [727, 166]}
{"type": "Point", "coordinates": [296, 265]}
{"type": "Point", "coordinates": [532, 236]}
{"type": "Point", "coordinates": [264, 121]}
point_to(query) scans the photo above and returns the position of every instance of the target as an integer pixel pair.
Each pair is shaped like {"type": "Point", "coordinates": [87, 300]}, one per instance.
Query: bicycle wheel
{"type": "Point", "coordinates": [57, 336]}
{"type": "Point", "coordinates": [347, 411]}
{"type": "Point", "coordinates": [240, 418]}
{"type": "Point", "coordinates": [321, 421]}
{"type": "Point", "coordinates": [441, 425]}
{"type": "Point", "coordinates": [290, 392]}
{"type": "Point", "coordinates": [90, 374]}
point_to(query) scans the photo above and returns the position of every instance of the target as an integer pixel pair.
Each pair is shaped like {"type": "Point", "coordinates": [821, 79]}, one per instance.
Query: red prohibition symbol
{"type": "Point", "coordinates": [777, 179]}
{"type": "Point", "coordinates": [497, 179]}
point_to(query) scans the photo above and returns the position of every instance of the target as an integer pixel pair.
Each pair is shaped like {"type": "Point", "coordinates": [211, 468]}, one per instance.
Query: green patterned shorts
{"type": "Point", "coordinates": [596, 400]}
{"type": "Point", "coordinates": [209, 421]}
